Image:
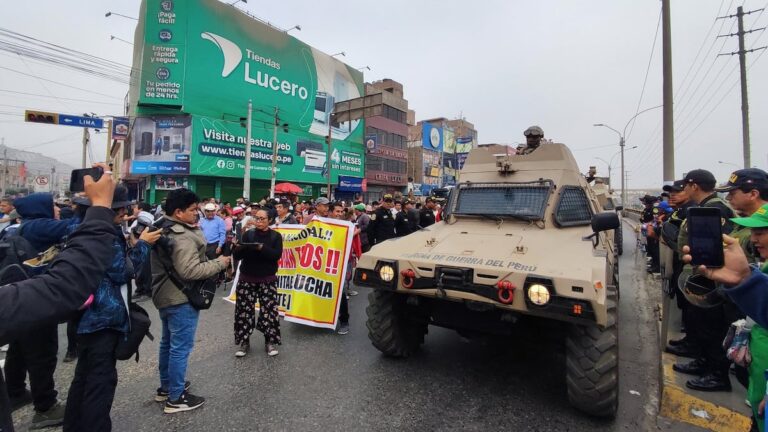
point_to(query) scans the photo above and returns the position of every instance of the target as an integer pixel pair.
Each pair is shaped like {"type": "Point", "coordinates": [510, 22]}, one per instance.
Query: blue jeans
{"type": "Point", "coordinates": [179, 325]}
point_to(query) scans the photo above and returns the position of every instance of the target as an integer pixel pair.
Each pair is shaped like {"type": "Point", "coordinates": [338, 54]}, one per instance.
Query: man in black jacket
{"type": "Point", "coordinates": [70, 279]}
{"type": "Point", "coordinates": [427, 214]}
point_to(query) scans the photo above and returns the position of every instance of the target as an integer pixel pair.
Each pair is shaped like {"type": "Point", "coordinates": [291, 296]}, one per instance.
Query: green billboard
{"type": "Point", "coordinates": [208, 59]}
{"type": "Point", "coordinates": [220, 151]}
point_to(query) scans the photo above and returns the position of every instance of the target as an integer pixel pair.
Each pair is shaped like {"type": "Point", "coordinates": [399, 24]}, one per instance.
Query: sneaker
{"type": "Point", "coordinates": [343, 328]}
{"type": "Point", "coordinates": [353, 293]}
{"type": "Point", "coordinates": [271, 350]}
{"type": "Point", "coordinates": [185, 402]}
{"type": "Point", "coordinates": [70, 356]}
{"type": "Point", "coordinates": [244, 348]}
{"type": "Point", "coordinates": [53, 417]}
{"type": "Point", "coordinates": [162, 395]}
{"type": "Point", "coordinates": [21, 401]}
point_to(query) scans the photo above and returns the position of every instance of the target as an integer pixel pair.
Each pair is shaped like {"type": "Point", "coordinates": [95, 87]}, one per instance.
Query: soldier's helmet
{"type": "Point", "coordinates": [534, 131]}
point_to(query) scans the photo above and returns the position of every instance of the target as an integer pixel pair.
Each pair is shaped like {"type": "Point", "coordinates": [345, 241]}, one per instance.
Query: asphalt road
{"type": "Point", "coordinates": [325, 381]}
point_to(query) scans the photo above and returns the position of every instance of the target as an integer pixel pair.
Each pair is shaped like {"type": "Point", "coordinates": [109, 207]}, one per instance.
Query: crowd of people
{"type": "Point", "coordinates": [724, 323]}
{"type": "Point", "coordinates": [159, 250]}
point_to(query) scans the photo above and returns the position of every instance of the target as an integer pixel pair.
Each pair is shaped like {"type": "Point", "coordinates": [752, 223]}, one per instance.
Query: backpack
{"type": "Point", "coordinates": [139, 324]}
{"type": "Point", "coordinates": [15, 250]}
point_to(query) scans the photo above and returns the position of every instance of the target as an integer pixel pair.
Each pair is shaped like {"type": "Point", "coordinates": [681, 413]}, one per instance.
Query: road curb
{"type": "Point", "coordinates": [678, 404]}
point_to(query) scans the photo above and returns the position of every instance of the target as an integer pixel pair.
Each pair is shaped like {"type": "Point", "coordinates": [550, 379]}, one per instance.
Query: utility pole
{"type": "Point", "coordinates": [668, 161]}
{"type": "Point", "coordinates": [274, 154]}
{"type": "Point", "coordinates": [86, 139]}
{"type": "Point", "coordinates": [742, 53]}
{"type": "Point", "coordinates": [247, 176]}
{"type": "Point", "coordinates": [328, 161]}
{"type": "Point", "coordinates": [5, 168]}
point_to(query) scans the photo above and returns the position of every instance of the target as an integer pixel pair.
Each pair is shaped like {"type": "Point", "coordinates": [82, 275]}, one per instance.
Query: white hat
{"type": "Point", "coordinates": [210, 207]}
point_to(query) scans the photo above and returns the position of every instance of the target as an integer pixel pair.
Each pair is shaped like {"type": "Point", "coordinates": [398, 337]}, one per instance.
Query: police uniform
{"type": "Point", "coordinates": [402, 224]}
{"type": "Point", "coordinates": [707, 327]}
{"type": "Point", "coordinates": [382, 226]}
{"type": "Point", "coordinates": [426, 217]}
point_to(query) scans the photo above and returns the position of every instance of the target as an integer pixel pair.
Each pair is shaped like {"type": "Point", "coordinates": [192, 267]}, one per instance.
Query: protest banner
{"type": "Point", "coordinates": [311, 271]}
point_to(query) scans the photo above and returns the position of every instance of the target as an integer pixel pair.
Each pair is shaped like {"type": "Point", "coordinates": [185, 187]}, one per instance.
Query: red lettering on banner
{"type": "Point", "coordinates": [332, 263]}
{"type": "Point", "coordinates": [317, 263]}
{"type": "Point", "coordinates": [287, 261]}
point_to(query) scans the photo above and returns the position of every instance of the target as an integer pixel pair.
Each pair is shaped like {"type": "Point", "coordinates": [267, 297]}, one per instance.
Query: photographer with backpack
{"type": "Point", "coordinates": [70, 279]}
{"type": "Point", "coordinates": [102, 325]}
{"type": "Point", "coordinates": [178, 262]}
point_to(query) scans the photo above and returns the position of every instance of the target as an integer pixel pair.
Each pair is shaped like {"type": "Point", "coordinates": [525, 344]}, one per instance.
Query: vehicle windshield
{"type": "Point", "coordinates": [517, 200]}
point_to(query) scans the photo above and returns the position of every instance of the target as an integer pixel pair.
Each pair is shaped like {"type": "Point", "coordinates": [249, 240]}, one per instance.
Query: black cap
{"type": "Point", "coordinates": [748, 178]}
{"type": "Point", "coordinates": [676, 186]}
{"type": "Point", "coordinates": [700, 177]}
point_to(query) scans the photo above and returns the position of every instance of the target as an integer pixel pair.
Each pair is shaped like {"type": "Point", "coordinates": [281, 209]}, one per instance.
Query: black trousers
{"type": "Point", "coordinates": [93, 387]}
{"type": "Point", "coordinates": [72, 334]}
{"type": "Point", "coordinates": [34, 353]}
{"type": "Point", "coordinates": [344, 308]}
{"type": "Point", "coordinates": [709, 327]}
{"type": "Point", "coordinates": [6, 422]}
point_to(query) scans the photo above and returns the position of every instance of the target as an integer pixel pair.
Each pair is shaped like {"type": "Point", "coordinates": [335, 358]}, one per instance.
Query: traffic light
{"type": "Point", "coordinates": [41, 117]}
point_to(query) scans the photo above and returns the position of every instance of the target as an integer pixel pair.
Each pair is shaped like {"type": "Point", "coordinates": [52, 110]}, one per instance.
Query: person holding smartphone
{"type": "Point", "coordinates": [747, 286]}
{"type": "Point", "coordinates": [258, 252]}
{"type": "Point", "coordinates": [707, 327]}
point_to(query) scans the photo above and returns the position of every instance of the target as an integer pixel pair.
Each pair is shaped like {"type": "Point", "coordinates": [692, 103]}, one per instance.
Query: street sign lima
{"type": "Point", "coordinates": [63, 119]}
{"type": "Point", "coordinates": [41, 180]}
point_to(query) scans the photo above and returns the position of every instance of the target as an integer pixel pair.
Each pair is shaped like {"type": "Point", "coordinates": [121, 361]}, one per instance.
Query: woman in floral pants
{"type": "Point", "coordinates": [259, 251]}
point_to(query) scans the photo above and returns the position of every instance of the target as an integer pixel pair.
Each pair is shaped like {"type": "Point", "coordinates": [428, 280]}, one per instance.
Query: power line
{"type": "Point", "coordinates": [53, 97]}
{"type": "Point", "coordinates": [647, 70]}
{"type": "Point", "coordinates": [58, 83]}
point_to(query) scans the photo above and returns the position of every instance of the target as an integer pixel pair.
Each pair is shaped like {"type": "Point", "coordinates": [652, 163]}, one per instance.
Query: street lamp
{"type": "Point", "coordinates": [610, 164]}
{"type": "Point", "coordinates": [113, 37]}
{"type": "Point", "coordinates": [342, 53]}
{"type": "Point", "coordinates": [296, 27]}
{"type": "Point", "coordinates": [238, 1]}
{"type": "Point", "coordinates": [728, 163]}
{"type": "Point", "coordinates": [109, 14]}
{"type": "Point", "coordinates": [621, 145]}
{"type": "Point", "coordinates": [364, 67]}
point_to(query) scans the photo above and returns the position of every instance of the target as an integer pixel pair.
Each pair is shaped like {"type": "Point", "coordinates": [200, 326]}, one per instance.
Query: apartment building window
{"type": "Point", "coordinates": [395, 114]}
{"type": "Point", "coordinates": [387, 138]}
{"type": "Point", "coordinates": [376, 163]}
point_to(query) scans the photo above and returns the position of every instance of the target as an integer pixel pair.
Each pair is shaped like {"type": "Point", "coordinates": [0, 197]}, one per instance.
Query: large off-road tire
{"type": "Point", "coordinates": [592, 365]}
{"type": "Point", "coordinates": [394, 328]}
{"type": "Point", "coordinates": [618, 239]}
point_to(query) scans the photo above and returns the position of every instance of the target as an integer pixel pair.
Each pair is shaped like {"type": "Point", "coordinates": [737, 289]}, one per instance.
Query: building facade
{"type": "Point", "coordinates": [387, 158]}
{"type": "Point", "coordinates": [437, 149]}
{"type": "Point", "coordinates": [197, 66]}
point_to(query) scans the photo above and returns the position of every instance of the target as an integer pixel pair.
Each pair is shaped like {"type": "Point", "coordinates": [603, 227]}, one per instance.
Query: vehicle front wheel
{"type": "Point", "coordinates": [394, 327]}
{"type": "Point", "coordinates": [592, 365]}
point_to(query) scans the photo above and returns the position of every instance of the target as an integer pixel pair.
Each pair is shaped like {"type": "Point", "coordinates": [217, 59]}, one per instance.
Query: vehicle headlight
{"type": "Point", "coordinates": [538, 294]}
{"type": "Point", "coordinates": [386, 273]}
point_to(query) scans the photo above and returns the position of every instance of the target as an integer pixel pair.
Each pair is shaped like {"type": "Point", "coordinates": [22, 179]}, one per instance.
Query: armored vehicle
{"type": "Point", "coordinates": [607, 199]}
{"type": "Point", "coordinates": [523, 237]}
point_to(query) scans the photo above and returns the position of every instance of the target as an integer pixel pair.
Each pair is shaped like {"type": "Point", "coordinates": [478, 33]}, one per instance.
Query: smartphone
{"type": "Point", "coordinates": [705, 236]}
{"type": "Point", "coordinates": [76, 182]}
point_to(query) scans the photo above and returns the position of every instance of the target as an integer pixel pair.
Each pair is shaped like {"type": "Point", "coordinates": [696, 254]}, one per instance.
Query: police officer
{"type": "Point", "coordinates": [403, 223]}
{"type": "Point", "coordinates": [427, 214]}
{"type": "Point", "coordinates": [707, 327]}
{"type": "Point", "coordinates": [681, 201]}
{"type": "Point", "coordinates": [382, 226]}
{"type": "Point", "coordinates": [533, 136]}
{"type": "Point", "coordinates": [747, 191]}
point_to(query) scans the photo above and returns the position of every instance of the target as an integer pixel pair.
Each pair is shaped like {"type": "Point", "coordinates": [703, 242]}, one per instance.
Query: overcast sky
{"type": "Point", "coordinates": [503, 65]}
